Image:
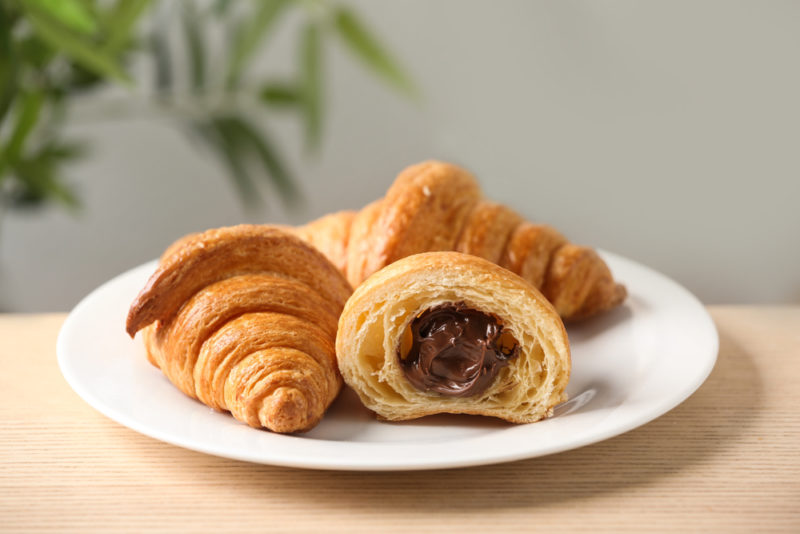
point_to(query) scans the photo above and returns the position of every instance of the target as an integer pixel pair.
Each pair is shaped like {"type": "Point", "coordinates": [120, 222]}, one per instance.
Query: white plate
{"type": "Point", "coordinates": [629, 366]}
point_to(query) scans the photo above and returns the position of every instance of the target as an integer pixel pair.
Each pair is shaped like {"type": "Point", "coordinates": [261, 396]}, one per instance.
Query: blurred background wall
{"type": "Point", "coordinates": [667, 132]}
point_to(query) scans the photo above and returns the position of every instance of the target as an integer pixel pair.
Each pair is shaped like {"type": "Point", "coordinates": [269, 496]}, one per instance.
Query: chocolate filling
{"type": "Point", "coordinates": [456, 350]}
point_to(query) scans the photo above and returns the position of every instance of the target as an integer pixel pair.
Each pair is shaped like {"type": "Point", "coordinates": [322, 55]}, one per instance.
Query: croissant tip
{"type": "Point", "coordinates": [285, 411]}
{"type": "Point", "coordinates": [130, 327]}
{"type": "Point", "coordinates": [134, 318]}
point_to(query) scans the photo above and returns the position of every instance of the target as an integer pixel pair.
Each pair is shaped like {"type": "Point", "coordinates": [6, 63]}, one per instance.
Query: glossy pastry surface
{"type": "Point", "coordinates": [436, 206]}
{"type": "Point", "coordinates": [244, 319]}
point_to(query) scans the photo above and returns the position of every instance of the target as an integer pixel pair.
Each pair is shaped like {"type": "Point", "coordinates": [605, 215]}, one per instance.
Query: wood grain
{"type": "Point", "coordinates": [726, 460]}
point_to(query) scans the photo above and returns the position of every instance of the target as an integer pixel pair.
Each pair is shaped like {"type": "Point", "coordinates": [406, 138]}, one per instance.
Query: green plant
{"type": "Point", "coordinates": [54, 51]}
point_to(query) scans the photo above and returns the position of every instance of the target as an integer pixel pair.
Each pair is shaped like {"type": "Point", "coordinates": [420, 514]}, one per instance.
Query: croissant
{"type": "Point", "coordinates": [244, 319]}
{"type": "Point", "coordinates": [435, 206]}
{"type": "Point", "coordinates": [447, 332]}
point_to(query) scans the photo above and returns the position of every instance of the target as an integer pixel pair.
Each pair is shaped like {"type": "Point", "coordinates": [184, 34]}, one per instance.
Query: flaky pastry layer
{"type": "Point", "coordinates": [436, 206]}
{"type": "Point", "coordinates": [382, 307]}
{"type": "Point", "coordinates": [244, 319]}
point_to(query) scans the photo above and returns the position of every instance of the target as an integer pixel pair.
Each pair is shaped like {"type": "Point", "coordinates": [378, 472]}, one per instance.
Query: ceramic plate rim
{"type": "Point", "coordinates": [365, 458]}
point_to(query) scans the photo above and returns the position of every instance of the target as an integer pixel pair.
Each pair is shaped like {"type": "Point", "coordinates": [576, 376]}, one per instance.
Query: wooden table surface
{"type": "Point", "coordinates": [726, 460]}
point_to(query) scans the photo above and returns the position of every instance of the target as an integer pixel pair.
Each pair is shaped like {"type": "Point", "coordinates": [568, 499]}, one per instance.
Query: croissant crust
{"type": "Point", "coordinates": [435, 206]}
{"type": "Point", "coordinates": [244, 319]}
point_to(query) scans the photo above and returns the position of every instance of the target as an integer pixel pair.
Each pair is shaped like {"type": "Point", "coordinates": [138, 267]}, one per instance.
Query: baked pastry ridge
{"type": "Point", "coordinates": [244, 319]}
{"type": "Point", "coordinates": [526, 336]}
{"type": "Point", "coordinates": [436, 206]}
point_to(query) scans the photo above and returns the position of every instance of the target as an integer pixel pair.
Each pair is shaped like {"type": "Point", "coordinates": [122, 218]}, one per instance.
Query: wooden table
{"type": "Point", "coordinates": [727, 459]}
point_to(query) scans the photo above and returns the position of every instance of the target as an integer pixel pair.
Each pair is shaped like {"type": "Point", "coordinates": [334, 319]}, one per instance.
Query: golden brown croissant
{"type": "Point", "coordinates": [435, 206]}
{"type": "Point", "coordinates": [244, 319]}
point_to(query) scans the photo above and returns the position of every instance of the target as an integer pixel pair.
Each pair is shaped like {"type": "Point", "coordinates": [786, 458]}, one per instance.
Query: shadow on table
{"type": "Point", "coordinates": [707, 423]}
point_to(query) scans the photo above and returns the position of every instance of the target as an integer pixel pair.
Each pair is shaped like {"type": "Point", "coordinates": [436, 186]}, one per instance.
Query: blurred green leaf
{"type": "Point", "coordinates": [219, 135]}
{"type": "Point", "coordinates": [238, 141]}
{"type": "Point", "coordinates": [37, 183]}
{"type": "Point", "coordinates": [248, 136]}
{"type": "Point", "coordinates": [250, 35]}
{"type": "Point", "coordinates": [28, 107]}
{"type": "Point", "coordinates": [119, 23]}
{"type": "Point", "coordinates": [64, 150]}
{"type": "Point", "coordinates": [161, 60]}
{"type": "Point", "coordinates": [220, 7]}
{"type": "Point", "coordinates": [311, 64]}
{"type": "Point", "coordinates": [9, 65]}
{"type": "Point", "coordinates": [36, 180]}
{"type": "Point", "coordinates": [81, 79]}
{"type": "Point", "coordinates": [72, 14]}
{"type": "Point", "coordinates": [195, 46]}
{"type": "Point", "coordinates": [83, 52]}
{"type": "Point", "coordinates": [280, 95]}
{"type": "Point", "coordinates": [7, 93]}
{"type": "Point", "coordinates": [35, 52]}
{"type": "Point", "coordinates": [367, 48]}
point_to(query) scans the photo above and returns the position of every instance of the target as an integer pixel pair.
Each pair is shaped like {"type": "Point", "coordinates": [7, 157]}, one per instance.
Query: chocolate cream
{"type": "Point", "coordinates": [455, 350]}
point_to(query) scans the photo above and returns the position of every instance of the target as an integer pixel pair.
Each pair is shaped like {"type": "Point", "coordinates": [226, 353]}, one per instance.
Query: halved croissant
{"type": "Point", "coordinates": [244, 319]}
{"type": "Point", "coordinates": [435, 206]}
{"type": "Point", "coordinates": [446, 332]}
